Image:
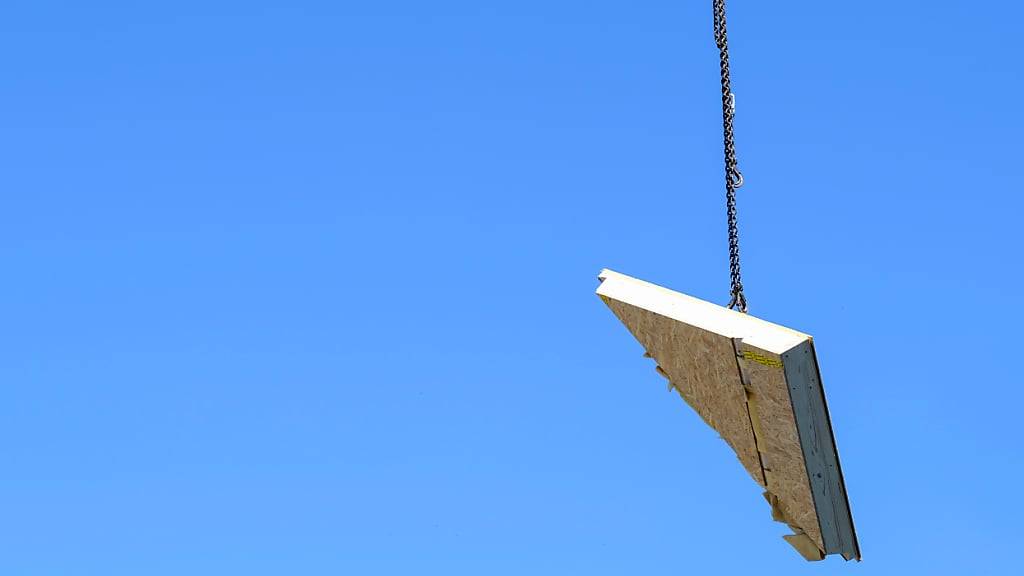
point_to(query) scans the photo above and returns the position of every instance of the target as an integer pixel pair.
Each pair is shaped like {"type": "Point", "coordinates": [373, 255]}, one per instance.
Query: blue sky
{"type": "Point", "coordinates": [307, 287]}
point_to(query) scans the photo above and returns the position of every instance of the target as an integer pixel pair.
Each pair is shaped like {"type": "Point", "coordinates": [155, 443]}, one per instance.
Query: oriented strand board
{"type": "Point", "coordinates": [779, 441]}
{"type": "Point", "coordinates": [708, 380]}
{"type": "Point", "coordinates": [757, 384]}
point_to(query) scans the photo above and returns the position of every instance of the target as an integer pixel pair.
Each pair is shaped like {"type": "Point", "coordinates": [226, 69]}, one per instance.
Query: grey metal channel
{"type": "Point", "coordinates": [819, 448]}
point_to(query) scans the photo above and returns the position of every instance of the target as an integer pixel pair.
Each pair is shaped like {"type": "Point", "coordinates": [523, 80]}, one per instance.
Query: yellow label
{"type": "Point", "coordinates": [761, 359]}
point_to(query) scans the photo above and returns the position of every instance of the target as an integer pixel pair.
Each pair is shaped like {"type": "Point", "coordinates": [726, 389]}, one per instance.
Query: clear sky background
{"type": "Point", "coordinates": [307, 287]}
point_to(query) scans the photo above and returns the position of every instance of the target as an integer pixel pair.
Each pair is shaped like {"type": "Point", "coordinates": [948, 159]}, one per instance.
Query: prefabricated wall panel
{"type": "Point", "coordinates": [758, 385]}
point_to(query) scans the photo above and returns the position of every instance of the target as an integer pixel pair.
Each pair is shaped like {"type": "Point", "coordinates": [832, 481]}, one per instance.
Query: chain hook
{"type": "Point", "coordinates": [737, 179]}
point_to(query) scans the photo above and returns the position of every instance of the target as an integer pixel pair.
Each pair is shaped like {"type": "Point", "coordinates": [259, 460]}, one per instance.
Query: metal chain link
{"type": "Point", "coordinates": [733, 177]}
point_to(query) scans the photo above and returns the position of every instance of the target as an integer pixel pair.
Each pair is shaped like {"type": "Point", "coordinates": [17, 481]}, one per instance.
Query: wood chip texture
{"type": "Point", "coordinates": [702, 367]}
{"type": "Point", "coordinates": [779, 442]}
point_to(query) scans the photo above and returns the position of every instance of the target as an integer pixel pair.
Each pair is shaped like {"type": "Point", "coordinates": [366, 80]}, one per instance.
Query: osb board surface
{"type": "Point", "coordinates": [805, 547]}
{"type": "Point", "coordinates": [779, 442]}
{"type": "Point", "coordinates": [702, 366]}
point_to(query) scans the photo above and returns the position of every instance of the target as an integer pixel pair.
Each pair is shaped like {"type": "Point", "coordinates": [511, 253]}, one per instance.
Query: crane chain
{"type": "Point", "coordinates": [733, 177]}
